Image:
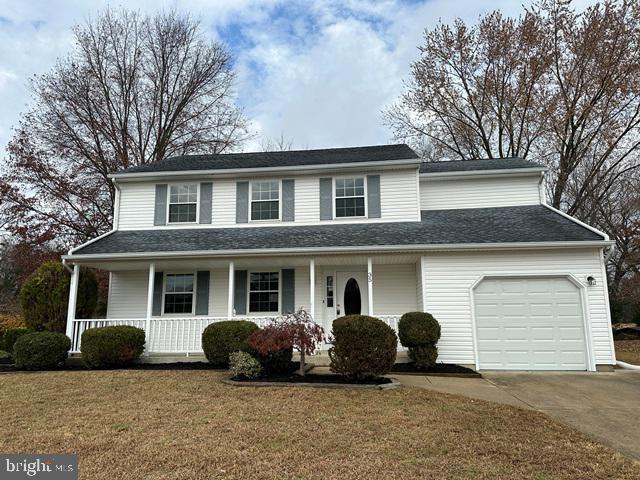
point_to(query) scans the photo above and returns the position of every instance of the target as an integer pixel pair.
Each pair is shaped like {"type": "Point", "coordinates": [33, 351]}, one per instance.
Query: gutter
{"type": "Point", "coordinates": [336, 250]}
{"type": "Point", "coordinates": [289, 169]}
{"type": "Point", "coordinates": [484, 173]}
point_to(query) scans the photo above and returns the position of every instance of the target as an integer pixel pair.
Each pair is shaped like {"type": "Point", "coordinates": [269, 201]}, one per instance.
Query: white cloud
{"type": "Point", "coordinates": [318, 72]}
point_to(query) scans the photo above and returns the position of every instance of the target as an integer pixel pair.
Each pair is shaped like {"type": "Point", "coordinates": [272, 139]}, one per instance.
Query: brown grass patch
{"type": "Point", "coordinates": [188, 425]}
{"type": "Point", "coordinates": [628, 351]}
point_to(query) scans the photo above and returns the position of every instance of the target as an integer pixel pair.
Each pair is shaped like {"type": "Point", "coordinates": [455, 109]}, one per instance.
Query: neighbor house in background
{"type": "Point", "coordinates": [197, 239]}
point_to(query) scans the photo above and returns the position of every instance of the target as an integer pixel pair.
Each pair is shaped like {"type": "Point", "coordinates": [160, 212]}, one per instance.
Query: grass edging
{"type": "Point", "coordinates": [385, 386]}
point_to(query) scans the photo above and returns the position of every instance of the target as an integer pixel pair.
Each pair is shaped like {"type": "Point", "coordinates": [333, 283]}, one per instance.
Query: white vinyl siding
{"type": "Point", "coordinates": [441, 194]}
{"type": "Point", "coordinates": [395, 289]}
{"type": "Point", "coordinates": [137, 204]}
{"type": "Point", "coordinates": [301, 286]}
{"type": "Point", "coordinates": [448, 277]}
{"type": "Point", "coordinates": [128, 294]}
{"type": "Point", "coordinates": [307, 203]}
{"type": "Point", "coordinates": [398, 197]}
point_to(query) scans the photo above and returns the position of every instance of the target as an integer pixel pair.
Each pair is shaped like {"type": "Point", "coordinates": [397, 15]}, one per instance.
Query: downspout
{"type": "Point", "coordinates": [116, 206]}
{"type": "Point", "coordinates": [541, 192]}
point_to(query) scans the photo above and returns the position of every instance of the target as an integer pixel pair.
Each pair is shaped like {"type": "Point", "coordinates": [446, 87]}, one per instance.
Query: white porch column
{"type": "Point", "coordinates": [71, 308]}
{"type": "Point", "coordinates": [312, 288]}
{"type": "Point", "coordinates": [150, 288]}
{"type": "Point", "coordinates": [370, 284]}
{"type": "Point", "coordinates": [230, 298]}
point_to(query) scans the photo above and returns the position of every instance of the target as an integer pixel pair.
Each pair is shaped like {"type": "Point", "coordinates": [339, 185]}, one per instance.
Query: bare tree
{"type": "Point", "coordinates": [135, 89]}
{"type": "Point", "coordinates": [475, 91]}
{"type": "Point", "coordinates": [554, 85]}
{"type": "Point", "coordinates": [277, 144]}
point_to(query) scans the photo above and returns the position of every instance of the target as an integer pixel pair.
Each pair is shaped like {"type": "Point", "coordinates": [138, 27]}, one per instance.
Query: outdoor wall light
{"type": "Point", "coordinates": [591, 281]}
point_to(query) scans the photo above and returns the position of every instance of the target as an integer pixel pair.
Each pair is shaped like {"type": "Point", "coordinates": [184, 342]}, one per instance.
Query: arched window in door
{"type": "Point", "coordinates": [352, 298]}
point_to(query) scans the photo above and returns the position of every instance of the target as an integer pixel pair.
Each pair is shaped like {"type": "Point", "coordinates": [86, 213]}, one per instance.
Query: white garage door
{"type": "Point", "coordinates": [529, 324]}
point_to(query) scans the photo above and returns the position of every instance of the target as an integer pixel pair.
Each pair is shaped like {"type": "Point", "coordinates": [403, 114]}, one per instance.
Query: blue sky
{"type": "Point", "coordinates": [317, 72]}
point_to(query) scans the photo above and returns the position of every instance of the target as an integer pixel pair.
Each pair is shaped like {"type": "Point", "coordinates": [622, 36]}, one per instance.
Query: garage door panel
{"type": "Point", "coordinates": [515, 333]}
{"type": "Point", "coordinates": [542, 309]}
{"type": "Point", "coordinates": [513, 309]}
{"type": "Point", "coordinates": [488, 333]}
{"type": "Point", "coordinates": [530, 324]}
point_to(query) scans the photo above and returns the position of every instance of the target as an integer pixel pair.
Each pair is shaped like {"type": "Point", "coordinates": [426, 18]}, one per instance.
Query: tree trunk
{"type": "Point", "coordinates": [301, 371]}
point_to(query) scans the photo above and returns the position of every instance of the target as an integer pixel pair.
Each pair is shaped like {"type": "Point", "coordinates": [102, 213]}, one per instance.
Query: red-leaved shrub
{"type": "Point", "coordinates": [297, 331]}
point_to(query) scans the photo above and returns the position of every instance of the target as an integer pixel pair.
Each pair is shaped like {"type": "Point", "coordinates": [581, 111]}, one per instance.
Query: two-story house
{"type": "Point", "coordinates": [197, 239]}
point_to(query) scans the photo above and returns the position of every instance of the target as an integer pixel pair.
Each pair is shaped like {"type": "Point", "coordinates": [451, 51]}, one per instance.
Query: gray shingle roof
{"type": "Point", "coordinates": [292, 158]}
{"type": "Point", "coordinates": [480, 164]}
{"type": "Point", "coordinates": [534, 223]}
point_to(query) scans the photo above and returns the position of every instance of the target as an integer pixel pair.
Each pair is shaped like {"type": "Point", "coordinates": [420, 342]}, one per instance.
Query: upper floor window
{"type": "Point", "coordinates": [183, 203]}
{"type": "Point", "coordinates": [178, 293]}
{"type": "Point", "coordinates": [263, 291]}
{"type": "Point", "coordinates": [265, 200]}
{"type": "Point", "coordinates": [350, 197]}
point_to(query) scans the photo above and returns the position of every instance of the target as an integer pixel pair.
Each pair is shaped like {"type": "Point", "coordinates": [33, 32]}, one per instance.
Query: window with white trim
{"type": "Point", "coordinates": [183, 203]}
{"type": "Point", "coordinates": [178, 293]}
{"type": "Point", "coordinates": [350, 197]}
{"type": "Point", "coordinates": [265, 200]}
{"type": "Point", "coordinates": [264, 291]}
{"type": "Point", "coordinates": [330, 291]}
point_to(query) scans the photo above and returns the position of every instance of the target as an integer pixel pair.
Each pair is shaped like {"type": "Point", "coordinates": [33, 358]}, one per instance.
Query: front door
{"type": "Point", "coordinates": [352, 293]}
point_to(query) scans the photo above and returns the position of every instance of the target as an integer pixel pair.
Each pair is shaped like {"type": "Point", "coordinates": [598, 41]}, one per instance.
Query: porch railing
{"type": "Point", "coordinates": [175, 334]}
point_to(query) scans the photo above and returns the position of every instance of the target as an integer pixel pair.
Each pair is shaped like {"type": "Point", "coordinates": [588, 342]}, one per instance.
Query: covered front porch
{"type": "Point", "coordinates": [175, 299]}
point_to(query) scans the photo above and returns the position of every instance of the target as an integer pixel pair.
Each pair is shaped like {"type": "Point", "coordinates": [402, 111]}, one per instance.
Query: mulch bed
{"type": "Point", "coordinates": [438, 370]}
{"type": "Point", "coordinates": [313, 378]}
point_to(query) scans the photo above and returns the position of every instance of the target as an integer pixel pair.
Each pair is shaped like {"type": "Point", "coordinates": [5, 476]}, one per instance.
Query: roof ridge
{"type": "Point", "coordinates": [302, 150]}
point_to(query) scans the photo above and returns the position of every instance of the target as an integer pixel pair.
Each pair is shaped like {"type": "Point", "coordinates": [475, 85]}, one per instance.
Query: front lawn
{"type": "Point", "coordinates": [628, 351]}
{"type": "Point", "coordinates": [187, 425]}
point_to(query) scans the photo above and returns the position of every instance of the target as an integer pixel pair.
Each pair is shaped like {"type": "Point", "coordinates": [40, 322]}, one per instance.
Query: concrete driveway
{"type": "Point", "coordinates": [605, 406]}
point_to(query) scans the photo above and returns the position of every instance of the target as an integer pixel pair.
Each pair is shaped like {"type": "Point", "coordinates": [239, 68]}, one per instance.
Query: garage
{"type": "Point", "coordinates": [529, 323]}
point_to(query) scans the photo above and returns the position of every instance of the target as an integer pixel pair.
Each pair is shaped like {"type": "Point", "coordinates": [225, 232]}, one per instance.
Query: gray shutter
{"type": "Point", "coordinates": [242, 202]}
{"type": "Point", "coordinates": [206, 192]}
{"type": "Point", "coordinates": [288, 291]}
{"type": "Point", "coordinates": [160, 214]}
{"type": "Point", "coordinates": [288, 200]}
{"type": "Point", "coordinates": [373, 196]}
{"type": "Point", "coordinates": [202, 293]}
{"type": "Point", "coordinates": [156, 311]}
{"type": "Point", "coordinates": [326, 199]}
{"type": "Point", "coordinates": [240, 292]}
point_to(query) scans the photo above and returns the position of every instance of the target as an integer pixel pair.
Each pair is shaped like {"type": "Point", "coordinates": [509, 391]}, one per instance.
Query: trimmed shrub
{"type": "Point", "coordinates": [220, 339]}
{"type": "Point", "coordinates": [296, 331]}
{"type": "Point", "coordinates": [420, 332]}
{"type": "Point", "coordinates": [41, 350]}
{"type": "Point", "coordinates": [87, 300]}
{"type": "Point", "coordinates": [363, 347]}
{"type": "Point", "coordinates": [45, 294]}
{"type": "Point", "coordinates": [424, 357]}
{"type": "Point", "coordinates": [11, 335]}
{"type": "Point", "coordinates": [111, 346]}
{"type": "Point", "coordinates": [243, 365]}
{"type": "Point", "coordinates": [5, 357]}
